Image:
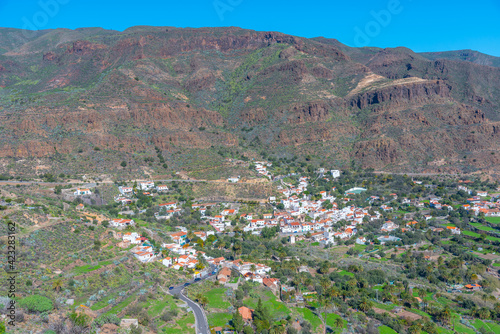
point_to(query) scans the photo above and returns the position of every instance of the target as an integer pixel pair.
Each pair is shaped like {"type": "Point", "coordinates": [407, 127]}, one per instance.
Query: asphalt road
{"type": "Point", "coordinates": [199, 314]}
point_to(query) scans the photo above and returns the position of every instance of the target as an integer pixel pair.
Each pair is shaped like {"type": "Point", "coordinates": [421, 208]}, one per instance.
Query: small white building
{"type": "Point", "coordinates": [146, 185]}
{"type": "Point", "coordinates": [233, 179]}
{"type": "Point", "coordinates": [126, 190]}
{"type": "Point", "coordinates": [81, 191]}
{"type": "Point", "coordinates": [121, 223]}
{"type": "Point", "coordinates": [335, 173]}
{"type": "Point", "coordinates": [167, 262]}
{"type": "Point", "coordinates": [169, 205]}
{"type": "Point", "coordinates": [162, 188]}
{"type": "Point", "coordinates": [361, 241]}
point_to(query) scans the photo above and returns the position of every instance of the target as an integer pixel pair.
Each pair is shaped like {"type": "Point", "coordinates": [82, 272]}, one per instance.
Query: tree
{"type": "Point", "coordinates": [135, 330]}
{"type": "Point", "coordinates": [237, 322]}
{"type": "Point", "coordinates": [248, 330]}
{"type": "Point", "coordinates": [445, 315]}
{"type": "Point", "coordinates": [203, 301]}
{"type": "Point", "coordinates": [339, 323]}
{"type": "Point", "coordinates": [36, 303]}
{"type": "Point", "coordinates": [365, 305]}
{"type": "Point", "coordinates": [261, 317]}
{"type": "Point", "coordinates": [57, 285]}
{"type": "Point", "coordinates": [123, 164]}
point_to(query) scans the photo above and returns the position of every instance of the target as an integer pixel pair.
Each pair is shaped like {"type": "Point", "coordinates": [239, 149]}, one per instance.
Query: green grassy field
{"type": "Point", "coordinates": [359, 247]}
{"type": "Point", "coordinates": [493, 220]}
{"type": "Point", "coordinates": [330, 321]}
{"type": "Point", "coordinates": [118, 308]}
{"type": "Point", "coordinates": [158, 307]}
{"type": "Point", "coordinates": [215, 297]}
{"type": "Point", "coordinates": [88, 268]}
{"type": "Point", "coordinates": [386, 330]}
{"type": "Point", "coordinates": [495, 328]}
{"type": "Point", "coordinates": [471, 234]}
{"type": "Point", "coordinates": [276, 308]}
{"type": "Point", "coordinates": [182, 325]}
{"type": "Point", "coordinates": [482, 227]}
{"type": "Point", "coordinates": [218, 319]}
{"type": "Point", "coordinates": [308, 315]}
{"type": "Point", "coordinates": [343, 272]}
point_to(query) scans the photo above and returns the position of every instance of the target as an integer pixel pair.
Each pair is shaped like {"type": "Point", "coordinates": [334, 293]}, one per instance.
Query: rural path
{"type": "Point", "coordinates": [199, 314]}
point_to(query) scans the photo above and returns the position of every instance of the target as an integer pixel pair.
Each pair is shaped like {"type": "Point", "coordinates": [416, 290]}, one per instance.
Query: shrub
{"type": "Point", "coordinates": [36, 303]}
{"type": "Point", "coordinates": [107, 319]}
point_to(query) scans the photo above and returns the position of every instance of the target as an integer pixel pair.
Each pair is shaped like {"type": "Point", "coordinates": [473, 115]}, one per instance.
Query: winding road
{"type": "Point", "coordinates": [199, 314]}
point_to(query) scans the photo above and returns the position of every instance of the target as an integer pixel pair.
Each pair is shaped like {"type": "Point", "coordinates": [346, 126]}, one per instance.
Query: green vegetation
{"type": "Point", "coordinates": [36, 303]}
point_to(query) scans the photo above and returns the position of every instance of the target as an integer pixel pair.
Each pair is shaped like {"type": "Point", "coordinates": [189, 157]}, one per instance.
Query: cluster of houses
{"type": "Point", "coordinates": [126, 192]}
{"type": "Point", "coordinates": [477, 205]}
{"type": "Point", "coordinates": [255, 272]}
{"type": "Point", "coordinates": [261, 167]}
{"type": "Point", "coordinates": [167, 210]}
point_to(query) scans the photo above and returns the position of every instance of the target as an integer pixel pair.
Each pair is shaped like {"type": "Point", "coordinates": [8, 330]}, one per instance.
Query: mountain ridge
{"type": "Point", "coordinates": [186, 89]}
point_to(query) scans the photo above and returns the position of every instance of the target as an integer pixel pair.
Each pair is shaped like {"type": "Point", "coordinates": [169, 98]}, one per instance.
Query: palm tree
{"type": "Point", "coordinates": [474, 277]}
{"type": "Point", "coordinates": [333, 292]}
{"type": "Point", "coordinates": [483, 313]}
{"type": "Point", "coordinates": [445, 315]}
{"type": "Point", "coordinates": [325, 283]}
{"type": "Point", "coordinates": [57, 285]}
{"type": "Point", "coordinates": [365, 305]}
{"type": "Point", "coordinates": [203, 301]}
{"type": "Point", "coordinates": [339, 323]}
{"type": "Point", "coordinates": [422, 294]}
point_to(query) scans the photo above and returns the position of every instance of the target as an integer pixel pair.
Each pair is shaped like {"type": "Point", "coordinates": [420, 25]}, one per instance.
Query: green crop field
{"type": "Point", "coordinates": [215, 298]}
{"type": "Point", "coordinates": [471, 234]}
{"type": "Point", "coordinates": [219, 319]}
{"type": "Point", "coordinates": [330, 321]}
{"type": "Point", "coordinates": [386, 330]}
{"type": "Point", "coordinates": [482, 227]}
{"type": "Point", "coordinates": [490, 327]}
{"type": "Point", "coordinates": [494, 220]}
{"type": "Point", "coordinates": [308, 315]}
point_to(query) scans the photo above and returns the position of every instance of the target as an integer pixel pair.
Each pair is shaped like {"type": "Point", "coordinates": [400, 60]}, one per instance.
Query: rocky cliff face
{"type": "Point", "coordinates": [195, 89]}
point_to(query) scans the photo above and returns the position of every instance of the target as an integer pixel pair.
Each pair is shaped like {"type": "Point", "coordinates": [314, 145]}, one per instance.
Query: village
{"type": "Point", "coordinates": [327, 219]}
{"type": "Point", "coordinates": [312, 237]}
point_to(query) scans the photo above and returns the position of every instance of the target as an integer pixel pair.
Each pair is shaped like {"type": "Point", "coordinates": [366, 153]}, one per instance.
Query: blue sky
{"type": "Point", "coordinates": [421, 25]}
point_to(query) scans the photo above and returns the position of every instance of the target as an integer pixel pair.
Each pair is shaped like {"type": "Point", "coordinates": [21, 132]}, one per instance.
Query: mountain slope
{"type": "Point", "coordinates": [67, 93]}
{"type": "Point", "coordinates": [464, 55]}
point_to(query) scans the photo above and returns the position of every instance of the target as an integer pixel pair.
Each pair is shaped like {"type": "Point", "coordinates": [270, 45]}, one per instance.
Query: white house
{"type": "Point", "coordinates": [453, 229]}
{"type": "Point", "coordinates": [144, 256]}
{"type": "Point", "coordinates": [482, 193]}
{"type": "Point", "coordinates": [361, 241]}
{"type": "Point", "coordinates": [80, 192]}
{"type": "Point", "coordinates": [233, 179]}
{"type": "Point", "coordinates": [146, 185]}
{"type": "Point", "coordinates": [162, 188]}
{"type": "Point", "coordinates": [126, 190]}
{"type": "Point", "coordinates": [167, 262]}
{"type": "Point", "coordinates": [121, 223]}
{"type": "Point", "coordinates": [335, 173]}
{"type": "Point", "coordinates": [133, 237]}
{"type": "Point", "coordinates": [169, 205]}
